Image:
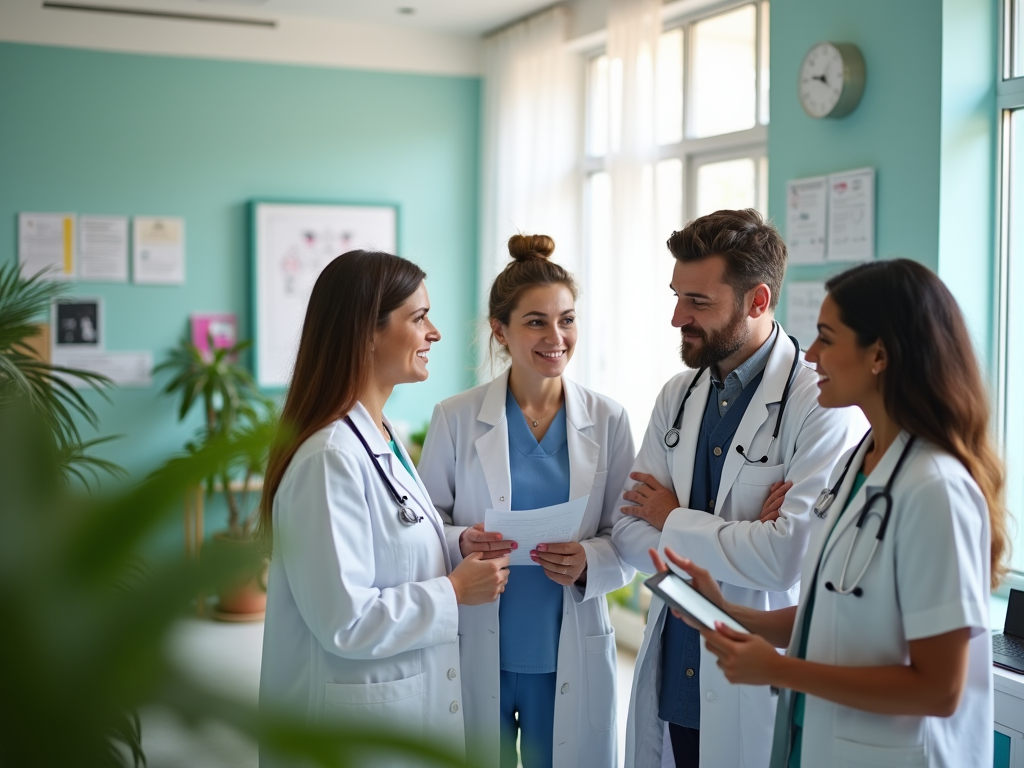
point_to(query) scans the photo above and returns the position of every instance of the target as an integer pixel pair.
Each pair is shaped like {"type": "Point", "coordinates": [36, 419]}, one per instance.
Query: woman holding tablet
{"type": "Point", "coordinates": [362, 604]}
{"type": "Point", "coordinates": [889, 659]}
{"type": "Point", "coordinates": [541, 660]}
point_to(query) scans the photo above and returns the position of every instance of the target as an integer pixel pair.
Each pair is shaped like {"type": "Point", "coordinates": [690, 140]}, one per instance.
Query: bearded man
{"type": "Point", "coordinates": [736, 452]}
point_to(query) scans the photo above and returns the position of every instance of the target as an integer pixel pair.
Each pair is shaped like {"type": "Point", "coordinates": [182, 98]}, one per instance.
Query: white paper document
{"type": "Point", "coordinates": [530, 527]}
{"type": "Point", "coordinates": [806, 217]}
{"type": "Point", "coordinates": [158, 257]}
{"type": "Point", "coordinates": [126, 369]}
{"type": "Point", "coordinates": [103, 248]}
{"type": "Point", "coordinates": [851, 215]}
{"type": "Point", "coordinates": [803, 302]}
{"type": "Point", "coordinates": [46, 241]}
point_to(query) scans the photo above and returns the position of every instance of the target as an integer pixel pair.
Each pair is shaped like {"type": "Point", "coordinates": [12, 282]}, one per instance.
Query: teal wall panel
{"type": "Point", "coordinates": [94, 132]}
{"type": "Point", "coordinates": [895, 128]}
{"type": "Point", "coordinates": [926, 123]}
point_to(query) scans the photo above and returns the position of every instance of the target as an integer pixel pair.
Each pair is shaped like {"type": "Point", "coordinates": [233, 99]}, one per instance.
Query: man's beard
{"type": "Point", "coordinates": [717, 345]}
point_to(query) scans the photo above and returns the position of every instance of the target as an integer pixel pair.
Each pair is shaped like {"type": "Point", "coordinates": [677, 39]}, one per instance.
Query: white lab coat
{"type": "Point", "coordinates": [362, 622]}
{"type": "Point", "coordinates": [758, 564]}
{"type": "Point", "coordinates": [465, 466]}
{"type": "Point", "coordinates": [929, 576]}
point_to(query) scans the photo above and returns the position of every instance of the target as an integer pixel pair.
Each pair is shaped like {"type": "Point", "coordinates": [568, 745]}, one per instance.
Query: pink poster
{"type": "Point", "coordinates": [221, 328]}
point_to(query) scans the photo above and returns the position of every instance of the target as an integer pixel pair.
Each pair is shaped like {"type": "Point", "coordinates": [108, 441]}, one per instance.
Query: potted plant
{"type": "Point", "coordinates": [233, 407]}
{"type": "Point", "coordinates": [49, 390]}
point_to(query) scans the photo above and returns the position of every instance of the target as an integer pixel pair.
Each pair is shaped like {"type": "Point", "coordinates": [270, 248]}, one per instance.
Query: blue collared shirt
{"type": "Point", "coordinates": [679, 697]}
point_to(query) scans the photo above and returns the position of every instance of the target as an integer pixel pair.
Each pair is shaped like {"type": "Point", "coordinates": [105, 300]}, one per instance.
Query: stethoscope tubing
{"type": "Point", "coordinates": [672, 435]}
{"type": "Point", "coordinates": [405, 512]}
{"type": "Point", "coordinates": [886, 496]}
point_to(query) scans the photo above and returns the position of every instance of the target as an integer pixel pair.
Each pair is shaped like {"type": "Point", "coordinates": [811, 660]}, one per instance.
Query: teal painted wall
{"type": "Point", "coordinates": [926, 123]}
{"type": "Point", "coordinates": [93, 132]}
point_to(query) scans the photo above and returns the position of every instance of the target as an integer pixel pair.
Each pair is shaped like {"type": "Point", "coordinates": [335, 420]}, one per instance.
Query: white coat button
{"type": "Point", "coordinates": [501, 498]}
{"type": "Point", "coordinates": [711, 695]}
{"type": "Point", "coordinates": [565, 687]}
{"type": "Point", "coordinates": [452, 674]}
{"type": "Point", "coordinates": [717, 451]}
{"type": "Point", "coordinates": [454, 707]}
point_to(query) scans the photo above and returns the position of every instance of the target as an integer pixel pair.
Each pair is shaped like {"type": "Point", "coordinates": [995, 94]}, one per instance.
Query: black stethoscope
{"type": "Point", "coordinates": [405, 512]}
{"type": "Point", "coordinates": [828, 496]}
{"type": "Point", "coordinates": [672, 436]}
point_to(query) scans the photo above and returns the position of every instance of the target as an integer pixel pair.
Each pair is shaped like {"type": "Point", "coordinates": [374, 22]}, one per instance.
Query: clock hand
{"type": "Point", "coordinates": [820, 77]}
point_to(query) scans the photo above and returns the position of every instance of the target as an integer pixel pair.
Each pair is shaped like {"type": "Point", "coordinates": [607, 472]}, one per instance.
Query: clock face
{"type": "Point", "coordinates": [821, 80]}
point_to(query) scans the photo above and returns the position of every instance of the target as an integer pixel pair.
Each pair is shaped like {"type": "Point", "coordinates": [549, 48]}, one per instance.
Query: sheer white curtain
{"type": "Point", "coordinates": [532, 127]}
{"type": "Point", "coordinates": [633, 348]}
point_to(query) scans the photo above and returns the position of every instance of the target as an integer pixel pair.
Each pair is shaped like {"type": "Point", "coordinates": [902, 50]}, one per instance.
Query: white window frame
{"type": "Point", "coordinates": [752, 142]}
{"type": "Point", "coordinates": [1009, 99]}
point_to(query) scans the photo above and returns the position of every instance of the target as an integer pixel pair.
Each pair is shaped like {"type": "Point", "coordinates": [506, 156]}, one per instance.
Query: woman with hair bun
{"type": "Point", "coordinates": [541, 660]}
{"type": "Point", "coordinates": [890, 657]}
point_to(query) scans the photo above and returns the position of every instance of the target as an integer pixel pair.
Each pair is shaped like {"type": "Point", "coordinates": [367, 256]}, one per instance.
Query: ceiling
{"type": "Point", "coordinates": [464, 17]}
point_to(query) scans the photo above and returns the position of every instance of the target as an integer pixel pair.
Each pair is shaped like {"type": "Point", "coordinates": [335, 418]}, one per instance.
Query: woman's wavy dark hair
{"type": "Point", "coordinates": [932, 386]}
{"type": "Point", "coordinates": [351, 301]}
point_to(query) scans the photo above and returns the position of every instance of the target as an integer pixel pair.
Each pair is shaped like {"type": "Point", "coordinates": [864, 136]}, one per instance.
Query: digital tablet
{"type": "Point", "coordinates": [680, 594]}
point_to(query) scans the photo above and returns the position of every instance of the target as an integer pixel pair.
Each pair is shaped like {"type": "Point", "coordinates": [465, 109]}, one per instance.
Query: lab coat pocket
{"type": "Point", "coordinates": [852, 754]}
{"type": "Point", "coordinates": [601, 680]}
{"type": "Point", "coordinates": [751, 489]}
{"type": "Point", "coordinates": [396, 705]}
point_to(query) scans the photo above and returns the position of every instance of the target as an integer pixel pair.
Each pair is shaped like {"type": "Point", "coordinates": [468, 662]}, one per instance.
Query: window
{"type": "Point", "coordinates": [708, 151]}
{"type": "Point", "coordinates": [1010, 408]}
{"type": "Point", "coordinates": [711, 89]}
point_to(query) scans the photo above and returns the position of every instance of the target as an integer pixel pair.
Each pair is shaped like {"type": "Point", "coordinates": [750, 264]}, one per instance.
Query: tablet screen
{"type": "Point", "coordinates": [678, 593]}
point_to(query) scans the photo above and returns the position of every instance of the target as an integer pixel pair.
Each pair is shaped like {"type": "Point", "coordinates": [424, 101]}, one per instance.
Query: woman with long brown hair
{"type": "Point", "coordinates": [362, 607]}
{"type": "Point", "coordinates": [889, 659]}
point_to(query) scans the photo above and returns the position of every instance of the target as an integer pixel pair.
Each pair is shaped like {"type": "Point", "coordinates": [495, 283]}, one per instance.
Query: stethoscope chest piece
{"type": "Point", "coordinates": [823, 502]}
{"type": "Point", "coordinates": [405, 513]}
{"type": "Point", "coordinates": [672, 438]}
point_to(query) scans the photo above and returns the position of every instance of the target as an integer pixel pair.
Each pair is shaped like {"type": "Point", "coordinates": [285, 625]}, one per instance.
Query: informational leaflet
{"type": "Point", "coordinates": [851, 215]}
{"type": "Point", "coordinates": [158, 254]}
{"type": "Point", "coordinates": [103, 248]}
{"type": "Point", "coordinates": [530, 527]}
{"type": "Point", "coordinates": [126, 369]}
{"type": "Point", "coordinates": [806, 219]}
{"type": "Point", "coordinates": [46, 243]}
{"type": "Point", "coordinates": [803, 303]}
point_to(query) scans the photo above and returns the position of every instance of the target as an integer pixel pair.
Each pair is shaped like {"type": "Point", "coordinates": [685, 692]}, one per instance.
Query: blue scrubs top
{"type": "Point", "coordinates": [530, 608]}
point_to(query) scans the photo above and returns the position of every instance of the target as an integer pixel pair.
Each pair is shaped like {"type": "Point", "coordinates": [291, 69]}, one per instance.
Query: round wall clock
{"type": "Point", "coordinates": [831, 79]}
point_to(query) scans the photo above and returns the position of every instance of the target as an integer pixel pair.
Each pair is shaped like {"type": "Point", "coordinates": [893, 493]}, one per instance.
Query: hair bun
{"type": "Point", "coordinates": [530, 247]}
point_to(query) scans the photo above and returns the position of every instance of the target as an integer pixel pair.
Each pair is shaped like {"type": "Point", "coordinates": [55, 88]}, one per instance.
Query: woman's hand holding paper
{"type": "Point", "coordinates": [490, 545]}
{"type": "Point", "coordinates": [564, 563]}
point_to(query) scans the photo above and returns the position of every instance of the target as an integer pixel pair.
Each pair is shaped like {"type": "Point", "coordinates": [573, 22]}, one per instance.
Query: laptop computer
{"type": "Point", "coordinates": [1008, 647]}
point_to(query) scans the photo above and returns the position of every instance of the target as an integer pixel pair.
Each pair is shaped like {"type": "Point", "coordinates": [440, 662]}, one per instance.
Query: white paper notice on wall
{"type": "Point", "coordinates": [46, 243]}
{"type": "Point", "coordinates": [803, 302]}
{"type": "Point", "coordinates": [125, 369]}
{"type": "Point", "coordinates": [103, 248]}
{"type": "Point", "coordinates": [851, 215]}
{"type": "Point", "coordinates": [158, 253]}
{"type": "Point", "coordinates": [806, 220]}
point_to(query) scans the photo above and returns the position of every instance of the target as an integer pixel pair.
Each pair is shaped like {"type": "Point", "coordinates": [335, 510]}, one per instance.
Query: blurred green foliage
{"type": "Point", "coordinates": [50, 391]}
{"type": "Point", "coordinates": [85, 620]}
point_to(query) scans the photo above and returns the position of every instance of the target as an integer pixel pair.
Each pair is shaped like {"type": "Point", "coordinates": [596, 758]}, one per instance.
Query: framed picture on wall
{"type": "Point", "coordinates": [291, 244]}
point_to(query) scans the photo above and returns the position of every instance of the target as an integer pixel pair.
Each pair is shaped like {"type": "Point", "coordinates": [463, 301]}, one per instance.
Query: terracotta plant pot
{"type": "Point", "coordinates": [247, 599]}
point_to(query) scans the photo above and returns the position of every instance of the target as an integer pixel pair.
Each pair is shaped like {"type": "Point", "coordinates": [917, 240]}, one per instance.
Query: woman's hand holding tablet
{"type": "Point", "coordinates": [685, 596]}
{"type": "Point", "coordinates": [743, 657]}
